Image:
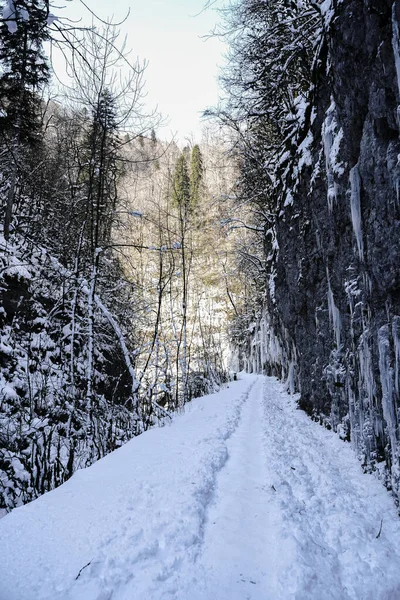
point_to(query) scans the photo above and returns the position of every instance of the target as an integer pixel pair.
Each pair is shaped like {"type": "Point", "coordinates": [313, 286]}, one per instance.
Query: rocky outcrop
{"type": "Point", "coordinates": [334, 314]}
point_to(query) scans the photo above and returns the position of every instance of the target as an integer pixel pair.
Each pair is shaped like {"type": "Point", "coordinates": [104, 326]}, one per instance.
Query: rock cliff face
{"type": "Point", "coordinates": [331, 323]}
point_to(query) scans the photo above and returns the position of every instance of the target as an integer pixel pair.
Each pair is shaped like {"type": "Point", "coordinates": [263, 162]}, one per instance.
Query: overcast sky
{"type": "Point", "coordinates": [182, 70]}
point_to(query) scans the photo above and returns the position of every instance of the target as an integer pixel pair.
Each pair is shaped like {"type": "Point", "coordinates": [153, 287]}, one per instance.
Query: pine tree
{"type": "Point", "coordinates": [181, 198]}
{"type": "Point", "coordinates": [103, 168]}
{"type": "Point", "coordinates": [101, 197]}
{"type": "Point", "coordinates": [25, 69]}
{"type": "Point", "coordinates": [25, 66]}
{"type": "Point", "coordinates": [196, 175]}
{"type": "Point", "coordinates": [181, 185]}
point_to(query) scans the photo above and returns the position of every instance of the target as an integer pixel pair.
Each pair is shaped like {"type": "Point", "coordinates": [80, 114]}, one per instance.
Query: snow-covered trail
{"type": "Point", "coordinates": [243, 554]}
{"type": "Point", "coordinates": [293, 515]}
{"type": "Point", "coordinates": [242, 497]}
{"type": "Point", "coordinates": [331, 510]}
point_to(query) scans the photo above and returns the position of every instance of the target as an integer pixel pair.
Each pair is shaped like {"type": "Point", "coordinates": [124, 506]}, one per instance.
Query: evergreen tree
{"type": "Point", "coordinates": [103, 168]}
{"type": "Point", "coordinates": [24, 72]}
{"type": "Point", "coordinates": [181, 198]}
{"type": "Point", "coordinates": [181, 185]}
{"type": "Point", "coordinates": [196, 175]}
{"type": "Point", "coordinates": [24, 65]}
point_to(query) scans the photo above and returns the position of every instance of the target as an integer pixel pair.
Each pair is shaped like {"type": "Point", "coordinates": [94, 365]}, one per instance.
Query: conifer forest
{"type": "Point", "coordinates": [138, 273]}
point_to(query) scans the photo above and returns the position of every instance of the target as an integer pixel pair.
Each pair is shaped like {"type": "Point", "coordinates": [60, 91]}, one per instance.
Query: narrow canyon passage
{"type": "Point", "coordinates": [241, 497]}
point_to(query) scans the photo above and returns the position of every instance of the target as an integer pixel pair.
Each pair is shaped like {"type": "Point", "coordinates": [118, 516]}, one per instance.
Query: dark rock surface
{"type": "Point", "coordinates": [335, 310]}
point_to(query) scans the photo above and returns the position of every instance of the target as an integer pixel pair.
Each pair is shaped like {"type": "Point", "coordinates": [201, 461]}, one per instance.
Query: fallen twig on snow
{"type": "Point", "coordinates": [380, 530]}
{"type": "Point", "coordinates": [79, 574]}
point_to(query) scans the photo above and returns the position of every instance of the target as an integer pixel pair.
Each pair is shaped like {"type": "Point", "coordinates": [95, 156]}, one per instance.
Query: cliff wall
{"type": "Point", "coordinates": [331, 322]}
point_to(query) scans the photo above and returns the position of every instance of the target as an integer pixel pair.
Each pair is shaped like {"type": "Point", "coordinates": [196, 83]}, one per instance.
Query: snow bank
{"type": "Point", "coordinates": [134, 515]}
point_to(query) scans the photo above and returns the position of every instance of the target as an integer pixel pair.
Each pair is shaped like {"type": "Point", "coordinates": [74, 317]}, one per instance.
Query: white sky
{"type": "Point", "coordinates": [182, 70]}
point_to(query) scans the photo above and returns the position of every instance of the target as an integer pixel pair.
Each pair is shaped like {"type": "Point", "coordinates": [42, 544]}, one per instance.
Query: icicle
{"type": "Point", "coordinates": [331, 139]}
{"type": "Point", "coordinates": [262, 343]}
{"type": "Point", "coordinates": [367, 283]}
{"type": "Point", "coordinates": [355, 205]}
{"type": "Point", "coordinates": [271, 285]}
{"type": "Point", "coordinates": [366, 383]}
{"type": "Point", "coordinates": [396, 44]}
{"type": "Point", "coordinates": [290, 380]}
{"type": "Point", "coordinates": [354, 438]}
{"type": "Point", "coordinates": [327, 138]}
{"type": "Point", "coordinates": [334, 315]}
{"type": "Point", "coordinates": [386, 375]}
{"type": "Point", "coordinates": [396, 341]}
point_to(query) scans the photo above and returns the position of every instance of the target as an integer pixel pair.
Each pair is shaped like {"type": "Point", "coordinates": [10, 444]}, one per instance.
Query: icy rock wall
{"type": "Point", "coordinates": [335, 316]}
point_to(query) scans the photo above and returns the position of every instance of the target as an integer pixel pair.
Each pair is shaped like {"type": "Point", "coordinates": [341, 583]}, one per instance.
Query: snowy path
{"type": "Point", "coordinates": [242, 497]}
{"type": "Point", "coordinates": [243, 554]}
